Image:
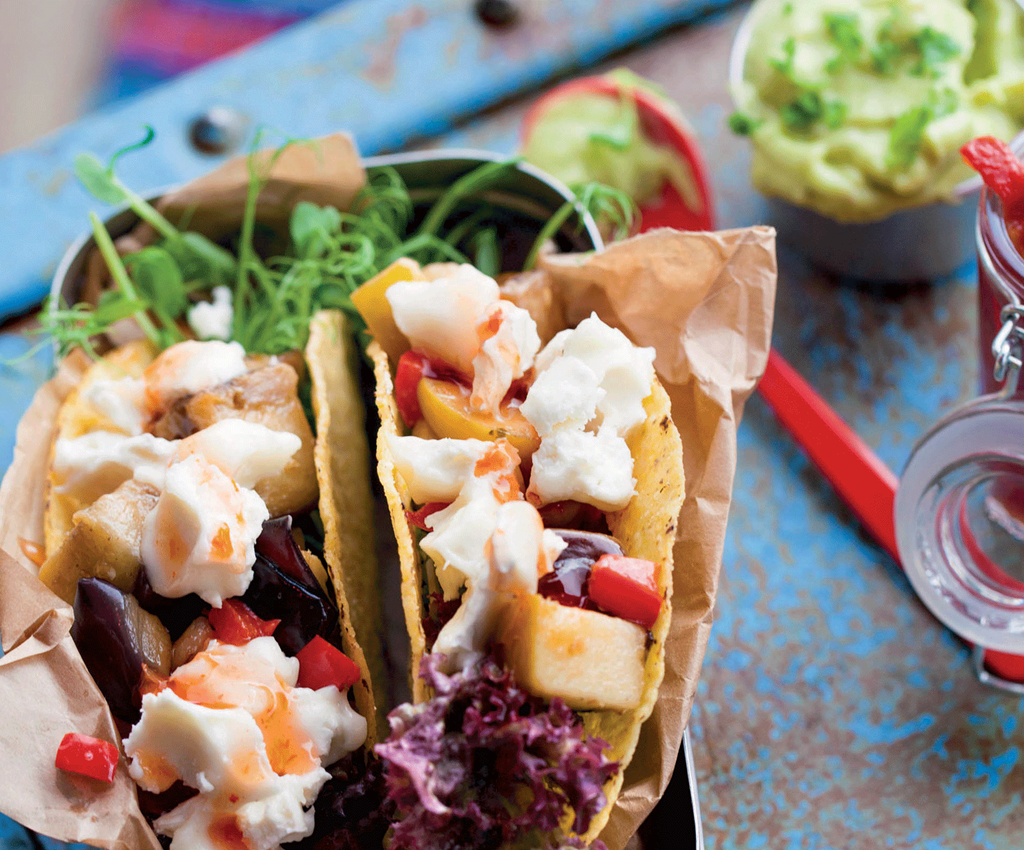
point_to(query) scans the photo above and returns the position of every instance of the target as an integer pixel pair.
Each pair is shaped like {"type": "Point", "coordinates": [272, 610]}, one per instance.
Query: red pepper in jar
{"type": "Point", "coordinates": [321, 664]}
{"type": "Point", "coordinates": [87, 756]}
{"type": "Point", "coordinates": [626, 588]}
{"type": "Point", "coordinates": [1003, 173]}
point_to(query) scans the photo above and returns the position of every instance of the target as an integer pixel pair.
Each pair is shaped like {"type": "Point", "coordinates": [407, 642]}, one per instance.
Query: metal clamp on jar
{"type": "Point", "coordinates": [959, 510]}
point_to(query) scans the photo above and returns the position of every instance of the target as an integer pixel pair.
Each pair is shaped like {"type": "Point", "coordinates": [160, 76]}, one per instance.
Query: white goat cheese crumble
{"type": "Point", "coordinates": [233, 725]}
{"type": "Point", "coordinates": [213, 319]}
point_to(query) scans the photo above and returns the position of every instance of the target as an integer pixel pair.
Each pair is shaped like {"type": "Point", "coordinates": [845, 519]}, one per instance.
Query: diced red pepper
{"type": "Point", "coordinates": [417, 518]}
{"type": "Point", "coordinates": [411, 368]}
{"type": "Point", "coordinates": [88, 756]}
{"type": "Point", "coordinates": [235, 623]}
{"type": "Point", "coordinates": [626, 588]}
{"type": "Point", "coordinates": [321, 664]}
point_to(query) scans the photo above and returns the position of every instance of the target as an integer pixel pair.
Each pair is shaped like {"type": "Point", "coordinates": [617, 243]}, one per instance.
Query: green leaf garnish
{"type": "Point", "coordinates": [805, 111]}
{"type": "Point", "coordinates": [93, 175]}
{"type": "Point", "coordinates": [742, 124]}
{"type": "Point", "coordinates": [905, 137]}
{"type": "Point", "coordinates": [907, 134]}
{"type": "Point", "coordinates": [887, 48]}
{"type": "Point", "coordinates": [844, 32]}
{"type": "Point", "coordinates": [785, 65]}
{"type": "Point", "coordinates": [933, 48]}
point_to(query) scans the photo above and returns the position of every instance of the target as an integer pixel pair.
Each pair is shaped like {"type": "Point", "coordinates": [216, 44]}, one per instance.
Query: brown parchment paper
{"type": "Point", "coordinates": [704, 301]}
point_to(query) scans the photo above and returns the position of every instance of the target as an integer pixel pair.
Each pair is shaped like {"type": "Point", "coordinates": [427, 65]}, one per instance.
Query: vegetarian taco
{"type": "Point", "coordinates": [178, 486]}
{"type": "Point", "coordinates": [205, 386]}
{"type": "Point", "coordinates": [207, 515]}
{"type": "Point", "coordinates": [534, 491]}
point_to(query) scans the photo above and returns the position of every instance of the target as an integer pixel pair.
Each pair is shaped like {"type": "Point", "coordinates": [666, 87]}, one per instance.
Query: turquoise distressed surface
{"type": "Point", "coordinates": [388, 71]}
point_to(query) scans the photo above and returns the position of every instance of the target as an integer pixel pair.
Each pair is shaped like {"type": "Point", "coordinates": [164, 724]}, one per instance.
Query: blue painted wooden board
{"type": "Point", "coordinates": [389, 71]}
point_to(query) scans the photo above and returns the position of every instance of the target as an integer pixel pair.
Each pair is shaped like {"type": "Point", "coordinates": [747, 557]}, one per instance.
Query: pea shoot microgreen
{"type": "Point", "coordinates": [607, 205]}
{"type": "Point", "coordinates": [329, 253]}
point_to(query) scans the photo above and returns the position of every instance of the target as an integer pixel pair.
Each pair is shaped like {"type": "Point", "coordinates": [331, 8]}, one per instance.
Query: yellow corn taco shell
{"type": "Point", "coordinates": [645, 528]}
{"type": "Point", "coordinates": [346, 504]}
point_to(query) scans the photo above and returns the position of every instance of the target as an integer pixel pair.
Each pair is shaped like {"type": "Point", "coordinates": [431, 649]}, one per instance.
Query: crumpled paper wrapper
{"type": "Point", "coordinates": [704, 301]}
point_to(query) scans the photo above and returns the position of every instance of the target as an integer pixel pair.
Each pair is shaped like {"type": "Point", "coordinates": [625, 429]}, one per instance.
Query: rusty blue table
{"type": "Point", "coordinates": [833, 711]}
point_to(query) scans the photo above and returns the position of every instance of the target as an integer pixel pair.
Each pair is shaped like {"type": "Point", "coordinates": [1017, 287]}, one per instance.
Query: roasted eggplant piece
{"type": "Point", "coordinates": [567, 581]}
{"type": "Point", "coordinates": [118, 640]}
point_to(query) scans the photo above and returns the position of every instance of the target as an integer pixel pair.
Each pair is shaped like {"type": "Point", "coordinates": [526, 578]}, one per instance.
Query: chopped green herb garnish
{"type": "Point", "coordinates": [844, 31]}
{"type": "Point", "coordinates": [806, 110]}
{"type": "Point", "coordinates": [887, 49]}
{"type": "Point", "coordinates": [742, 124]}
{"type": "Point", "coordinates": [933, 48]}
{"type": "Point", "coordinates": [787, 8]}
{"type": "Point", "coordinates": [785, 65]}
{"type": "Point", "coordinates": [945, 103]}
{"type": "Point", "coordinates": [907, 133]}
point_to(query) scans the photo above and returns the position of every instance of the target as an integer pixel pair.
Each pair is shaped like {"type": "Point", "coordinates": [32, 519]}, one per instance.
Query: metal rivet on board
{"type": "Point", "coordinates": [497, 13]}
{"type": "Point", "coordinates": [219, 130]}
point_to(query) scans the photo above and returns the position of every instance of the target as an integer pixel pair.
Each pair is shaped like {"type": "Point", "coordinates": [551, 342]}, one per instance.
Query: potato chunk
{"type": "Point", "coordinates": [104, 542]}
{"type": "Point", "coordinates": [587, 658]}
{"type": "Point", "coordinates": [267, 396]}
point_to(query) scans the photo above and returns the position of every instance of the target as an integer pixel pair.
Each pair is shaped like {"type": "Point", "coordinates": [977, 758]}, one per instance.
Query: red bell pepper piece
{"type": "Point", "coordinates": [412, 366]}
{"type": "Point", "coordinates": [998, 166]}
{"type": "Point", "coordinates": [626, 588]}
{"type": "Point", "coordinates": [87, 756]}
{"type": "Point", "coordinates": [417, 518]}
{"type": "Point", "coordinates": [322, 664]}
{"type": "Point", "coordinates": [1003, 173]}
{"type": "Point", "coordinates": [235, 623]}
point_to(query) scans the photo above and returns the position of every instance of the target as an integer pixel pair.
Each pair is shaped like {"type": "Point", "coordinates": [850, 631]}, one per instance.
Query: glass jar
{"type": "Point", "coordinates": [960, 505]}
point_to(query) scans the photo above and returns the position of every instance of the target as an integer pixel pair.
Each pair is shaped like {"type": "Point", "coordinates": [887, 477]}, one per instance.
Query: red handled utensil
{"type": "Point", "coordinates": [856, 473]}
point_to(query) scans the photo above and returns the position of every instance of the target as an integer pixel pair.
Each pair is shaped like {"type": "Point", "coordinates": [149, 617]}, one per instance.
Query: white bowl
{"type": "Point", "coordinates": [918, 243]}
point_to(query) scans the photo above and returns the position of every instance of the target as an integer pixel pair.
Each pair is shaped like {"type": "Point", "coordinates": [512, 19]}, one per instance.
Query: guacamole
{"type": "Point", "coordinates": [596, 135]}
{"type": "Point", "coordinates": [859, 109]}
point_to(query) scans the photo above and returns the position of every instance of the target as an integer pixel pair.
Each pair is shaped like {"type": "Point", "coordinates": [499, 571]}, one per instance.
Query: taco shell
{"type": "Point", "coordinates": [645, 528]}
{"type": "Point", "coordinates": [346, 505]}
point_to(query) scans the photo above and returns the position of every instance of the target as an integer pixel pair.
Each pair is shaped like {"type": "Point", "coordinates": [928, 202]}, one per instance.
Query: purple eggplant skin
{"type": "Point", "coordinates": [176, 614]}
{"type": "Point", "coordinates": [106, 632]}
{"type": "Point", "coordinates": [567, 583]}
{"type": "Point", "coordinates": [303, 612]}
{"type": "Point", "coordinates": [277, 545]}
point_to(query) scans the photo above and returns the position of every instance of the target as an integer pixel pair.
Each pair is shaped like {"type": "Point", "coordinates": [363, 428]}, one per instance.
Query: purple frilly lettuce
{"type": "Point", "coordinates": [485, 765]}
